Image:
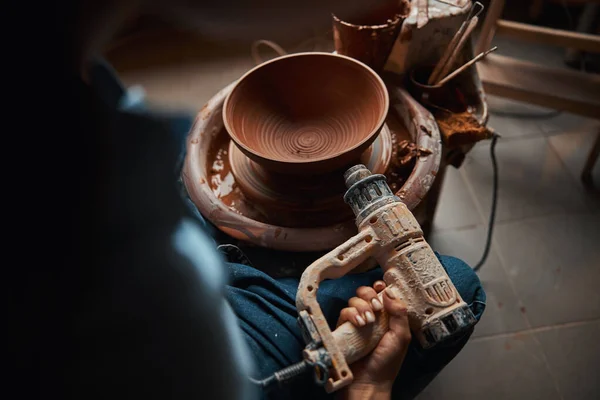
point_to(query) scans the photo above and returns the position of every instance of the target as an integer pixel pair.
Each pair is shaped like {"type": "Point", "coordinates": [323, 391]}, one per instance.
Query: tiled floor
{"type": "Point", "coordinates": [539, 335]}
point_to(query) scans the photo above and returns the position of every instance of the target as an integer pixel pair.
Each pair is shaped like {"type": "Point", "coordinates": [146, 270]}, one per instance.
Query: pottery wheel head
{"type": "Point", "coordinates": [306, 108]}
{"type": "Point", "coordinates": [301, 201]}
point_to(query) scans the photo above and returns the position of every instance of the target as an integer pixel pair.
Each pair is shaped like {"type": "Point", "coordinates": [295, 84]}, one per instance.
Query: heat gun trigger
{"type": "Point", "coordinates": [315, 353]}
{"type": "Point", "coordinates": [336, 350]}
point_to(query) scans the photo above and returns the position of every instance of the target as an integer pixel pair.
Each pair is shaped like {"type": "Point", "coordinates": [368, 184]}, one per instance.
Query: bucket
{"type": "Point", "coordinates": [369, 38]}
{"type": "Point", "coordinates": [444, 97]}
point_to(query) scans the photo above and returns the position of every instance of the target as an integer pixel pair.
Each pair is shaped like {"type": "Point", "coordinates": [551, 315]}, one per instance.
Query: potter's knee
{"type": "Point", "coordinates": [467, 283]}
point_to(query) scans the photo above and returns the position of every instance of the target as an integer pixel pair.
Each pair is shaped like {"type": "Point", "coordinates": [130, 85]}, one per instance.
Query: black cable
{"type": "Point", "coordinates": [488, 242]}
{"type": "Point", "coordinates": [283, 376]}
{"type": "Point", "coordinates": [264, 383]}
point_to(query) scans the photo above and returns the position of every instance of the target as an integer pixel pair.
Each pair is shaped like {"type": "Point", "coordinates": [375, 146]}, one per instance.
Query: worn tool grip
{"type": "Point", "coordinates": [356, 342]}
{"type": "Point", "coordinates": [333, 265]}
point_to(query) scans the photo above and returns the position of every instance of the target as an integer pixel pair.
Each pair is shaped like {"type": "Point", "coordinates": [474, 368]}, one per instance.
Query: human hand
{"type": "Point", "coordinates": [374, 374]}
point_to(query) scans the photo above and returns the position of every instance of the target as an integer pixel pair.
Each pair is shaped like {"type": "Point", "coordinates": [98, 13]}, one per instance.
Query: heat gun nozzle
{"type": "Point", "coordinates": [355, 174]}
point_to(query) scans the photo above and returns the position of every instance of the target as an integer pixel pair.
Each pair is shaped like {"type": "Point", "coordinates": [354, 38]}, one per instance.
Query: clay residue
{"type": "Point", "coordinates": [402, 161]}
{"type": "Point", "coordinates": [221, 178]}
{"type": "Point", "coordinates": [458, 129]}
{"type": "Point", "coordinates": [222, 181]}
{"type": "Point", "coordinates": [454, 106]}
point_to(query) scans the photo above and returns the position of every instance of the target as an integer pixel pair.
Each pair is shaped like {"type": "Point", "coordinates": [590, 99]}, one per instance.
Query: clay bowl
{"type": "Point", "coordinates": [306, 112]}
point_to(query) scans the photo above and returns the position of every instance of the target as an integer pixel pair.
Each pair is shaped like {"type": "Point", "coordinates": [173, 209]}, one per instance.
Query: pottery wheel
{"type": "Point", "coordinates": [213, 188]}
{"type": "Point", "coordinates": [303, 200]}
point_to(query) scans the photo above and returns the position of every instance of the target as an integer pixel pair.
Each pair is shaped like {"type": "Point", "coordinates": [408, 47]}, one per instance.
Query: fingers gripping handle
{"type": "Point", "coordinates": [335, 264]}
{"type": "Point", "coordinates": [356, 342]}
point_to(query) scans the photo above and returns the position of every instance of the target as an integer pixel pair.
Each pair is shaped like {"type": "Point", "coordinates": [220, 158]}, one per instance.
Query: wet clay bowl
{"type": "Point", "coordinates": [208, 130]}
{"type": "Point", "coordinates": [306, 112]}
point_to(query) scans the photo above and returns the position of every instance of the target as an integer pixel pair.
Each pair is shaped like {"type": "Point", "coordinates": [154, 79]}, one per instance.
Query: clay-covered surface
{"type": "Point", "coordinates": [454, 106]}
{"type": "Point", "coordinates": [214, 192]}
{"type": "Point", "coordinates": [425, 46]}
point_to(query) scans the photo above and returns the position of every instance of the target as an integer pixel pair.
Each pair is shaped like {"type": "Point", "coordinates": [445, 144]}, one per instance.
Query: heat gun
{"type": "Point", "coordinates": [389, 233]}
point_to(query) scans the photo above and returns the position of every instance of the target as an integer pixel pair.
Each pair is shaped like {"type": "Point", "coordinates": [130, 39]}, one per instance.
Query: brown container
{"type": "Point", "coordinates": [306, 112]}
{"type": "Point", "coordinates": [369, 38]}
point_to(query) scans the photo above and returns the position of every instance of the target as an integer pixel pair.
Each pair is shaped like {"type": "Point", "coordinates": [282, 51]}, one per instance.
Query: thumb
{"type": "Point", "coordinates": [398, 315]}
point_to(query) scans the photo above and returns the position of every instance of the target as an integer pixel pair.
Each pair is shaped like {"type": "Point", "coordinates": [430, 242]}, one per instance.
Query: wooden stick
{"type": "Point", "coordinates": [467, 65]}
{"type": "Point", "coordinates": [459, 46]}
{"type": "Point", "coordinates": [475, 10]}
{"type": "Point", "coordinates": [488, 29]}
{"type": "Point", "coordinates": [553, 37]}
{"type": "Point", "coordinates": [438, 68]}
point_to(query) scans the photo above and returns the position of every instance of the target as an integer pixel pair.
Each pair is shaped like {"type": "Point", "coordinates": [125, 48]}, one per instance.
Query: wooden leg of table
{"type": "Point", "coordinates": [586, 23]}
{"type": "Point", "coordinates": [488, 29]}
{"type": "Point", "coordinates": [586, 174]}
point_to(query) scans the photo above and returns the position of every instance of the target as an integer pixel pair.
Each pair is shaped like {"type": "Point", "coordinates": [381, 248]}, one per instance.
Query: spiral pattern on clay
{"type": "Point", "coordinates": [306, 107]}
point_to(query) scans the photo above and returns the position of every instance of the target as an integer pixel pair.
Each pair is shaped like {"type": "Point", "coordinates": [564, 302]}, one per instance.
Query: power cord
{"type": "Point", "coordinates": [293, 371]}
{"type": "Point", "coordinates": [492, 220]}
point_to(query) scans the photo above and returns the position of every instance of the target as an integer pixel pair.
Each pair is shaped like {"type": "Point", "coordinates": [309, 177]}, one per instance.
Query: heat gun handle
{"type": "Point", "coordinates": [357, 342]}
{"type": "Point", "coordinates": [334, 264]}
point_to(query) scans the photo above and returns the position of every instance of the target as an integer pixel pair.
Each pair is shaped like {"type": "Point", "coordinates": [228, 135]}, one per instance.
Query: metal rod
{"type": "Point", "coordinates": [459, 46]}
{"type": "Point", "coordinates": [475, 10]}
{"type": "Point", "coordinates": [467, 65]}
